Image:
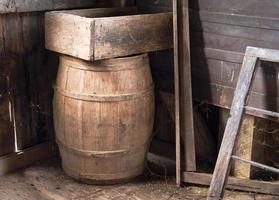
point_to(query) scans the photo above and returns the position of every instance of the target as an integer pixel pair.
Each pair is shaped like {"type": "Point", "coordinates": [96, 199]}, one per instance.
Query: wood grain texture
{"type": "Point", "coordinates": [7, 142]}
{"type": "Point", "coordinates": [235, 183]}
{"type": "Point", "coordinates": [122, 36]}
{"type": "Point", "coordinates": [103, 114]}
{"type": "Point", "coordinates": [221, 31]}
{"type": "Point", "coordinates": [95, 34]}
{"type": "Point", "coordinates": [10, 6]}
{"type": "Point", "coordinates": [187, 119]}
{"type": "Point", "coordinates": [15, 161]}
{"type": "Point", "coordinates": [177, 112]}
{"type": "Point", "coordinates": [23, 58]}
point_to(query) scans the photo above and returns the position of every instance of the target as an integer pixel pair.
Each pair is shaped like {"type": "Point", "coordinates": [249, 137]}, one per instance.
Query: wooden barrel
{"type": "Point", "coordinates": [103, 117]}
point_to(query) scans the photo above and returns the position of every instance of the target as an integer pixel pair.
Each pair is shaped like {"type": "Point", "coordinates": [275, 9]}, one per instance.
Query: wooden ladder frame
{"type": "Point", "coordinates": [222, 168]}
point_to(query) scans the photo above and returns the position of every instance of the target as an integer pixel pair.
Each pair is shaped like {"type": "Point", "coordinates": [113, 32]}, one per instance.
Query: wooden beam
{"type": "Point", "coordinates": [177, 94]}
{"type": "Point", "coordinates": [187, 121]}
{"type": "Point", "coordinates": [8, 6]}
{"type": "Point", "coordinates": [263, 187]}
{"type": "Point", "coordinates": [27, 157]}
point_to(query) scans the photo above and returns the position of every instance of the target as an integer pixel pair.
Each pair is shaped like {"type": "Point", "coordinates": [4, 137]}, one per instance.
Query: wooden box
{"type": "Point", "coordinates": [95, 34]}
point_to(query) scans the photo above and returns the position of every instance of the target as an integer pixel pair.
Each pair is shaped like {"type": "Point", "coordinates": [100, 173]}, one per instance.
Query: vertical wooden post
{"type": "Point", "coordinates": [187, 122]}
{"type": "Point", "coordinates": [183, 95]}
{"type": "Point", "coordinates": [177, 94]}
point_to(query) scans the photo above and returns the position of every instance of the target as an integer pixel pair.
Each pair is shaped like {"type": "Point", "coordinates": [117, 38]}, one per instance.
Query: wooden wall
{"type": "Point", "coordinates": [220, 32]}
{"type": "Point", "coordinates": [27, 72]}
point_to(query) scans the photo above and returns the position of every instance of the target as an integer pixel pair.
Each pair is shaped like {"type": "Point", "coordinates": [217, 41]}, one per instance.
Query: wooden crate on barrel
{"type": "Point", "coordinates": [95, 34]}
{"type": "Point", "coordinates": [104, 93]}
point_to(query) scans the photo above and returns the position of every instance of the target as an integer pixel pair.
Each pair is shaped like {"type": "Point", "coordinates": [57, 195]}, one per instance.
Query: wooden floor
{"type": "Point", "coordinates": [47, 181]}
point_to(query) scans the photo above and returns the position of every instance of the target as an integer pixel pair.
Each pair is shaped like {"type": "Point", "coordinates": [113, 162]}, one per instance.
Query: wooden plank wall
{"type": "Point", "coordinates": [27, 72]}
{"type": "Point", "coordinates": [220, 32]}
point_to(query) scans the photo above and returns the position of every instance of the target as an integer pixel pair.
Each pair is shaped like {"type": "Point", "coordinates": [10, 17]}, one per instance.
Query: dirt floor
{"type": "Point", "coordinates": [47, 181]}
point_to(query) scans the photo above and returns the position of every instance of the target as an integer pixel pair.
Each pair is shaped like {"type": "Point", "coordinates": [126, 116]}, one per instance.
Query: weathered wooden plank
{"type": "Point", "coordinates": [7, 138]}
{"type": "Point", "coordinates": [177, 92]}
{"type": "Point", "coordinates": [236, 19]}
{"type": "Point", "coordinates": [122, 36]}
{"type": "Point", "coordinates": [8, 6]}
{"type": "Point", "coordinates": [12, 62]}
{"type": "Point", "coordinates": [244, 32]}
{"type": "Point", "coordinates": [187, 121]}
{"type": "Point", "coordinates": [93, 35]}
{"type": "Point", "coordinates": [14, 161]}
{"type": "Point", "coordinates": [235, 183]}
{"type": "Point", "coordinates": [268, 8]}
{"type": "Point", "coordinates": [217, 54]}
{"type": "Point", "coordinates": [227, 43]}
{"type": "Point", "coordinates": [226, 74]}
{"type": "Point", "coordinates": [222, 96]}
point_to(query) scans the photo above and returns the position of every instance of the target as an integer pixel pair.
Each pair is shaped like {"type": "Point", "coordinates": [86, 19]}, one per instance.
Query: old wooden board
{"type": "Point", "coordinates": [22, 57]}
{"type": "Point", "coordinates": [177, 93]}
{"type": "Point", "coordinates": [8, 6]}
{"type": "Point", "coordinates": [14, 161]}
{"type": "Point", "coordinates": [234, 183]}
{"type": "Point", "coordinates": [106, 33]}
{"type": "Point", "coordinates": [7, 142]}
{"type": "Point", "coordinates": [187, 122]}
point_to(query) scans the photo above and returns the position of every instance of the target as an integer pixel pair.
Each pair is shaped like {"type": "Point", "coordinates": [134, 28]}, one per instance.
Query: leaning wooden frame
{"type": "Point", "coordinates": [221, 172]}
{"type": "Point", "coordinates": [252, 56]}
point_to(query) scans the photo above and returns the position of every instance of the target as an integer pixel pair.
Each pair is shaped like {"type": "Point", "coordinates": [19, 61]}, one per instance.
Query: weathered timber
{"type": "Point", "coordinates": [250, 7]}
{"type": "Point", "coordinates": [187, 121]}
{"type": "Point", "coordinates": [177, 92]}
{"type": "Point", "coordinates": [7, 142]}
{"type": "Point", "coordinates": [256, 164]}
{"type": "Point", "coordinates": [8, 6]}
{"type": "Point", "coordinates": [234, 183]}
{"type": "Point", "coordinates": [24, 158]}
{"type": "Point", "coordinates": [96, 34]}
